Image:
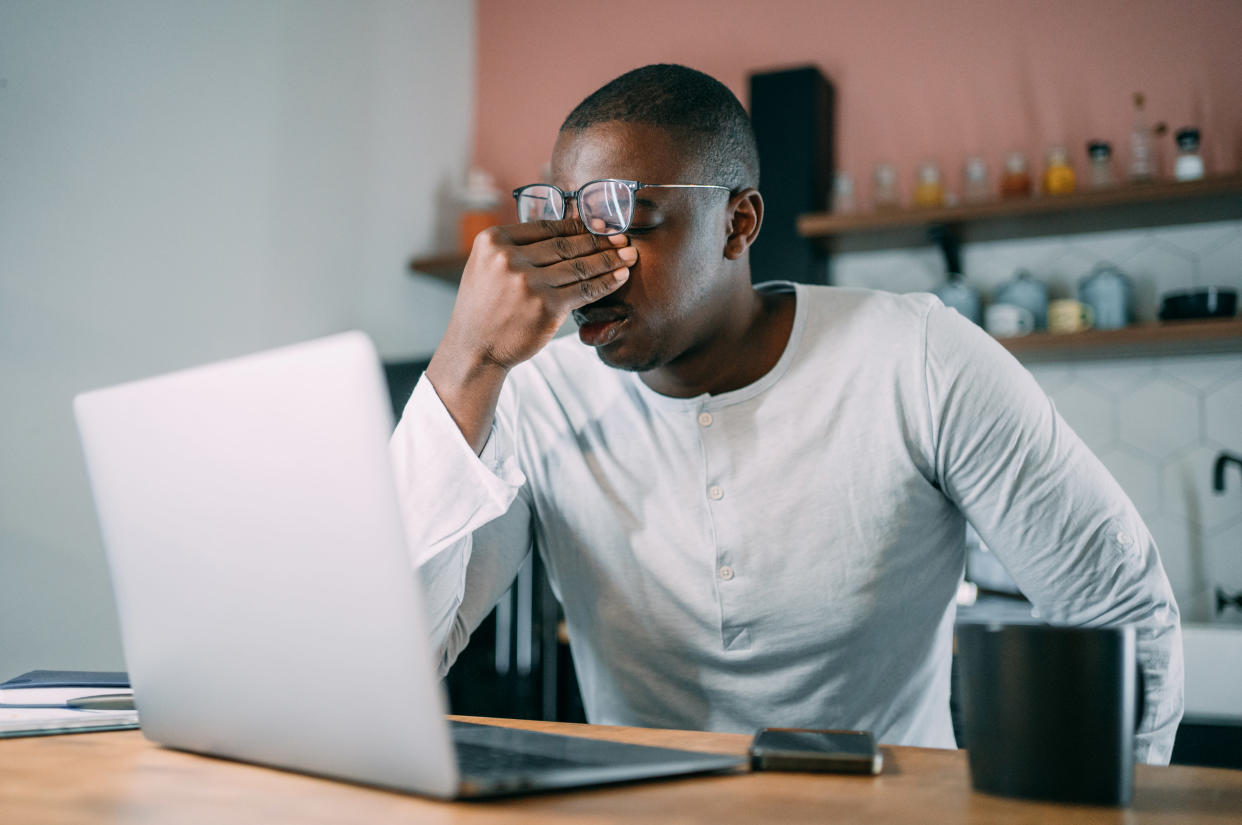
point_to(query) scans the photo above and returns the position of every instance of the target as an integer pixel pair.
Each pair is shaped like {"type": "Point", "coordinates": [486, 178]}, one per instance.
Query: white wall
{"type": "Point", "coordinates": [185, 181]}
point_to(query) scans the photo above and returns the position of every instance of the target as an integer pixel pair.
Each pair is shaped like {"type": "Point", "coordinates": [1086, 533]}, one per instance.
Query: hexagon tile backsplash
{"type": "Point", "coordinates": [1159, 260]}
{"type": "Point", "coordinates": [1156, 423]}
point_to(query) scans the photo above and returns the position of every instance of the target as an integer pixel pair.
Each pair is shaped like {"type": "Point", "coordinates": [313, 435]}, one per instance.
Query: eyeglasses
{"type": "Point", "coordinates": [606, 206]}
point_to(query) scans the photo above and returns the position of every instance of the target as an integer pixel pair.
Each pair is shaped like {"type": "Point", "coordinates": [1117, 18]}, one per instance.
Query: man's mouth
{"type": "Point", "coordinates": [600, 325]}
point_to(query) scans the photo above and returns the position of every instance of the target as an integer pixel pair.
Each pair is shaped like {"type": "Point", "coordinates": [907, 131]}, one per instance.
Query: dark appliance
{"type": "Point", "coordinates": [792, 112]}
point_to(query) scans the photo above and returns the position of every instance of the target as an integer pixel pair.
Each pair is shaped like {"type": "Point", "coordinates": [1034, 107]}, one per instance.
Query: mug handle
{"type": "Point", "coordinates": [1088, 317]}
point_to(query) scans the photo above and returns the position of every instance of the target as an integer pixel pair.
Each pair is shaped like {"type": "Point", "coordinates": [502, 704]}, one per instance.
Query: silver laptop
{"type": "Point", "coordinates": [269, 608]}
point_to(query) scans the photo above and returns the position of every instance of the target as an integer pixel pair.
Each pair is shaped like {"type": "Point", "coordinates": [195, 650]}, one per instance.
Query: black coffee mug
{"type": "Point", "coordinates": [1050, 712]}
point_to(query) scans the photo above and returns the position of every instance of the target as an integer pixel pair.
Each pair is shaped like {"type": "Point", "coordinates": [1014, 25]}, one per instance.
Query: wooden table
{"type": "Point", "coordinates": [121, 778]}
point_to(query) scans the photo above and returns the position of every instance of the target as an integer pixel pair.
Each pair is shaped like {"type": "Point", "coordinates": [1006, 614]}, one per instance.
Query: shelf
{"type": "Point", "coordinates": [825, 225]}
{"type": "Point", "coordinates": [1197, 337]}
{"type": "Point", "coordinates": [822, 225]}
{"type": "Point", "coordinates": [1126, 206]}
{"type": "Point", "coordinates": [443, 267]}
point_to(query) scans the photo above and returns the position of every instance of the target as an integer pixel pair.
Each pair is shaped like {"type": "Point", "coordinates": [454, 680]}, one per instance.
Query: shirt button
{"type": "Point", "coordinates": [1124, 538]}
{"type": "Point", "coordinates": [705, 419]}
{"type": "Point", "coordinates": [715, 492]}
{"type": "Point", "coordinates": [726, 573]}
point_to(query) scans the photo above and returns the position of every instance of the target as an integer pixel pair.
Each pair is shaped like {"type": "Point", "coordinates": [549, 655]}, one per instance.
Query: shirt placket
{"type": "Point", "coordinates": [730, 581]}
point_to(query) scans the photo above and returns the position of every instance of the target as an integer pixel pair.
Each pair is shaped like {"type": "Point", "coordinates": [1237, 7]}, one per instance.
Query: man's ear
{"type": "Point", "coordinates": [745, 218]}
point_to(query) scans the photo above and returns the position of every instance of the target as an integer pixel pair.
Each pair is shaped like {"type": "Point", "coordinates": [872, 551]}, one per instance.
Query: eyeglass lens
{"type": "Point", "coordinates": [605, 206]}
{"type": "Point", "coordinates": [540, 203]}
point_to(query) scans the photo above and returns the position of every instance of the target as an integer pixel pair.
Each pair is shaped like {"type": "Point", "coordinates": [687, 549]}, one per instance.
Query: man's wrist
{"type": "Point", "coordinates": [469, 387]}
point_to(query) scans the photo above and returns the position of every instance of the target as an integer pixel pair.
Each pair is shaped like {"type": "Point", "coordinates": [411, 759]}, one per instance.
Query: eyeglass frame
{"type": "Point", "coordinates": [632, 185]}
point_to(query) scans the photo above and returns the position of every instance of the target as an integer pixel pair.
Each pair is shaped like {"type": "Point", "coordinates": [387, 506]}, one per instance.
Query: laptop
{"type": "Point", "coordinates": [269, 609]}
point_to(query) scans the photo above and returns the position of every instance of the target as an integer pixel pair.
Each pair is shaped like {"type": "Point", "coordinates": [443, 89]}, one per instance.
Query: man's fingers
{"type": "Point", "coordinates": [520, 234]}
{"type": "Point", "coordinates": [567, 247]}
{"type": "Point", "coordinates": [580, 293]}
{"type": "Point", "coordinates": [588, 266]}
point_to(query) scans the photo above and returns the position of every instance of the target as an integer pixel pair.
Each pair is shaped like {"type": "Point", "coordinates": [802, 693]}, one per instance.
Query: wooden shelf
{"type": "Point", "coordinates": [817, 225]}
{"type": "Point", "coordinates": [1200, 336]}
{"type": "Point", "coordinates": [444, 267]}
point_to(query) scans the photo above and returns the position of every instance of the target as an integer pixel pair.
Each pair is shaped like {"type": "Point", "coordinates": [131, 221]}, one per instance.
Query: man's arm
{"type": "Point", "coordinates": [519, 286]}
{"type": "Point", "coordinates": [455, 467]}
{"type": "Point", "coordinates": [1049, 510]}
{"type": "Point", "coordinates": [447, 494]}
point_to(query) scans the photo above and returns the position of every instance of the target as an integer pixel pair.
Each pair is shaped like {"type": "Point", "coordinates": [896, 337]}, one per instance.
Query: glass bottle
{"type": "Point", "coordinates": [1189, 163]}
{"type": "Point", "coordinates": [1058, 174]}
{"type": "Point", "coordinates": [1142, 160]}
{"type": "Point", "coordinates": [929, 191]}
{"type": "Point", "coordinates": [1016, 182]}
{"type": "Point", "coordinates": [842, 193]}
{"type": "Point", "coordinates": [975, 180]}
{"type": "Point", "coordinates": [1100, 164]}
{"type": "Point", "coordinates": [884, 195]}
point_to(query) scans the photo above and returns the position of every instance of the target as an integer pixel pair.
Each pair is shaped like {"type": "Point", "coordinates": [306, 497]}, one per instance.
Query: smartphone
{"type": "Point", "coordinates": [802, 749]}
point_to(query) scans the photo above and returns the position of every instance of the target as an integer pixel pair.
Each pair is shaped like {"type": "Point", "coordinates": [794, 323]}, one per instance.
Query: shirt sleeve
{"type": "Point", "coordinates": [1049, 510]}
{"type": "Point", "coordinates": [448, 494]}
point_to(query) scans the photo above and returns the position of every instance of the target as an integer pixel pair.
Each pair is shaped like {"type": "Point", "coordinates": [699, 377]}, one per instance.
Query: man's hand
{"type": "Point", "coordinates": [520, 284]}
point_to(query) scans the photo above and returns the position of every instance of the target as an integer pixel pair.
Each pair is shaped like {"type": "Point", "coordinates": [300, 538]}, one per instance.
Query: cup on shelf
{"type": "Point", "coordinates": [1068, 315]}
{"type": "Point", "coordinates": [1008, 320]}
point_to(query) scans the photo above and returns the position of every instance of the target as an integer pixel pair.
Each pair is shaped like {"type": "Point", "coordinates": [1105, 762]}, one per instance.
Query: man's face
{"type": "Point", "coordinates": [677, 286]}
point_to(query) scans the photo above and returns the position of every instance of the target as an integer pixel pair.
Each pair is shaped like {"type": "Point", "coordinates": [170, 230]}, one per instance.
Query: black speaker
{"type": "Point", "coordinates": [792, 111]}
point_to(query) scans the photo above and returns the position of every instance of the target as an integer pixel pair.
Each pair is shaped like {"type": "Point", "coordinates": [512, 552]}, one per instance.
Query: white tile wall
{"type": "Point", "coordinates": [1156, 423]}
{"type": "Point", "coordinates": [1159, 259]}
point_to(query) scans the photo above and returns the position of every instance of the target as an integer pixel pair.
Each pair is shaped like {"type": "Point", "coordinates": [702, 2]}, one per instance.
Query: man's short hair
{"type": "Point", "coordinates": [692, 106]}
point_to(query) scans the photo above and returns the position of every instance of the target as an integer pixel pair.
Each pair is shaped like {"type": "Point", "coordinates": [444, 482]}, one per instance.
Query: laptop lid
{"type": "Point", "coordinates": [268, 609]}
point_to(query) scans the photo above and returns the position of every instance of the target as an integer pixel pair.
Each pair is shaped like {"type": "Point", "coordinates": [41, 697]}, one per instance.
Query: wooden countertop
{"type": "Point", "coordinates": [119, 777]}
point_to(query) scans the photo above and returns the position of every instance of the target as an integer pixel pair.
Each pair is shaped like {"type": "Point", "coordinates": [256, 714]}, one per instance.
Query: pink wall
{"type": "Point", "coordinates": [914, 79]}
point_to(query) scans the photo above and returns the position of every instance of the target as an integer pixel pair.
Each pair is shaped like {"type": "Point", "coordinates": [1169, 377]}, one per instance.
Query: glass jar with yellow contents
{"type": "Point", "coordinates": [1058, 175]}
{"type": "Point", "coordinates": [929, 189]}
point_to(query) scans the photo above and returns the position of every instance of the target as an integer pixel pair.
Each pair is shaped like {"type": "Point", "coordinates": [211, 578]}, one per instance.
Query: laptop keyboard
{"type": "Point", "coordinates": [484, 760]}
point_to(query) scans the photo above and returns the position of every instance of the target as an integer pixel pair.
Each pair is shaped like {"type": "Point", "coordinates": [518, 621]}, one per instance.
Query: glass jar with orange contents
{"type": "Point", "coordinates": [1016, 182]}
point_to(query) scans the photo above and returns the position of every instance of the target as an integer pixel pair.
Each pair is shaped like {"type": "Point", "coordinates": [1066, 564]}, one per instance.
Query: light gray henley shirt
{"type": "Point", "coordinates": [786, 554]}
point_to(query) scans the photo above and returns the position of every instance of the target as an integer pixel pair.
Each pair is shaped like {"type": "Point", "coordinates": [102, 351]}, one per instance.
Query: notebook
{"type": "Point", "coordinates": [37, 703]}
{"type": "Point", "coordinates": [268, 606]}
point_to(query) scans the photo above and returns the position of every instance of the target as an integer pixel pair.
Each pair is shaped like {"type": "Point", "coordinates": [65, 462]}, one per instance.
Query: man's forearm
{"type": "Point", "coordinates": [470, 391]}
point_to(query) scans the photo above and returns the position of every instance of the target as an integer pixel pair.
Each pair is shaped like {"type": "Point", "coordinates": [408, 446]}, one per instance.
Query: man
{"type": "Point", "coordinates": [751, 500]}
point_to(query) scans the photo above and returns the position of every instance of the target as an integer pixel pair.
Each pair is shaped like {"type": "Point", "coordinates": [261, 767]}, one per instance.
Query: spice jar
{"type": "Point", "coordinates": [1016, 182]}
{"type": "Point", "coordinates": [1100, 164]}
{"type": "Point", "coordinates": [842, 193]}
{"type": "Point", "coordinates": [1058, 175]}
{"type": "Point", "coordinates": [1189, 164]}
{"type": "Point", "coordinates": [975, 180]}
{"type": "Point", "coordinates": [884, 194]}
{"type": "Point", "coordinates": [929, 191]}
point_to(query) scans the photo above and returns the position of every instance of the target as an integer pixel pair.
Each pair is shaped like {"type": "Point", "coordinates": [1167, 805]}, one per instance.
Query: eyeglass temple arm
{"type": "Point", "coordinates": [682, 186]}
